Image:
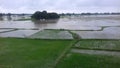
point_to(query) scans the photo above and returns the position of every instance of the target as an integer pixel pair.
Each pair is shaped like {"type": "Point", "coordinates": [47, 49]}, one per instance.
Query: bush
{"type": "Point", "coordinates": [44, 15]}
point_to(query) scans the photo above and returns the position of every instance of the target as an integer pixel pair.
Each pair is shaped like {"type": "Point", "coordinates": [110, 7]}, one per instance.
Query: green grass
{"type": "Point", "coordinates": [52, 34]}
{"type": "Point", "coordinates": [30, 53]}
{"type": "Point", "coordinates": [99, 44]}
{"type": "Point", "coordinates": [75, 36]}
{"type": "Point", "coordinates": [75, 60]}
{"type": "Point", "coordinates": [36, 53]}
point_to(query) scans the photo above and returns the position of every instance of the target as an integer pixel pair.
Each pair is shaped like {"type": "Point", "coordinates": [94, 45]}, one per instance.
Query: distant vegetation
{"type": "Point", "coordinates": [1, 18]}
{"type": "Point", "coordinates": [44, 15]}
{"type": "Point", "coordinates": [15, 17]}
{"type": "Point", "coordinates": [77, 14]}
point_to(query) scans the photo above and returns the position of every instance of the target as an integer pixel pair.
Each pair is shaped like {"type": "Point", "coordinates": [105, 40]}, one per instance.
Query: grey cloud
{"type": "Point", "coordinates": [60, 5]}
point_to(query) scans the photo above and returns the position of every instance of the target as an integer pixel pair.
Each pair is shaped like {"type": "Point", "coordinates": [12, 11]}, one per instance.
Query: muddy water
{"type": "Point", "coordinates": [73, 23]}
{"type": "Point", "coordinates": [87, 23]}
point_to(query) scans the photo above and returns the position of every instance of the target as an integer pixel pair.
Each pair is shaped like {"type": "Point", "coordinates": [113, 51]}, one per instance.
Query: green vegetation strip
{"type": "Point", "coordinates": [75, 36]}
{"type": "Point", "coordinates": [30, 53]}
{"type": "Point", "coordinates": [75, 60]}
{"type": "Point", "coordinates": [111, 45]}
{"type": "Point", "coordinates": [52, 34]}
{"type": "Point", "coordinates": [64, 53]}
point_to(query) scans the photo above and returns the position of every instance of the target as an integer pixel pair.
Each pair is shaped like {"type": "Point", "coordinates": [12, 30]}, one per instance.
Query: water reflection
{"type": "Point", "coordinates": [76, 23]}
{"type": "Point", "coordinates": [1, 18]}
{"type": "Point", "coordinates": [45, 23]}
{"type": "Point", "coordinates": [9, 18]}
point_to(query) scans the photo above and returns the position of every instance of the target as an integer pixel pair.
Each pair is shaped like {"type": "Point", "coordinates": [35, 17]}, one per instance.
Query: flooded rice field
{"type": "Point", "coordinates": [87, 27]}
{"type": "Point", "coordinates": [18, 33]}
{"type": "Point", "coordinates": [106, 33]}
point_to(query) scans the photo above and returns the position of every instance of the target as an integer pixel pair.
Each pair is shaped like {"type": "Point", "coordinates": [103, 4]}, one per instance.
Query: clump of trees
{"type": "Point", "coordinates": [44, 15]}
{"type": "Point", "coordinates": [1, 16]}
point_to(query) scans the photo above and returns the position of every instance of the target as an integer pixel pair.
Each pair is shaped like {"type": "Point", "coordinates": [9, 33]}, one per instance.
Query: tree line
{"type": "Point", "coordinates": [69, 14]}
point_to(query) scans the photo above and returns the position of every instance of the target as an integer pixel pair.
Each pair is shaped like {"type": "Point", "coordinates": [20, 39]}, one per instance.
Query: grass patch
{"type": "Point", "coordinates": [30, 53]}
{"type": "Point", "coordinates": [99, 44]}
{"type": "Point", "coordinates": [75, 36]}
{"type": "Point", "coordinates": [75, 60]}
{"type": "Point", "coordinates": [52, 34]}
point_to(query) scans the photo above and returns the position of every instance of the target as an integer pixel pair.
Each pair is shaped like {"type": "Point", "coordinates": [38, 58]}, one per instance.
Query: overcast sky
{"type": "Point", "coordinates": [60, 6]}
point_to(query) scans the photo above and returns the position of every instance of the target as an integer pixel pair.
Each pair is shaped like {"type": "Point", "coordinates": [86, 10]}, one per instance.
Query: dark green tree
{"type": "Point", "coordinates": [9, 16]}
{"type": "Point", "coordinates": [36, 15]}
{"type": "Point", "coordinates": [53, 16]}
{"type": "Point", "coordinates": [1, 16]}
{"type": "Point", "coordinates": [44, 15]}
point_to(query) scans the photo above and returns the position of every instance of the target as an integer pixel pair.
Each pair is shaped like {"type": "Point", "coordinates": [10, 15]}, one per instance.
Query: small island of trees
{"type": "Point", "coordinates": [44, 15]}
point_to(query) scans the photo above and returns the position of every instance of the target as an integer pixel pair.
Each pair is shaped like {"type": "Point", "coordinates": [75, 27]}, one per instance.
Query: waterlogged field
{"type": "Point", "coordinates": [6, 30]}
{"type": "Point", "coordinates": [88, 46]}
{"type": "Point", "coordinates": [18, 33]}
{"type": "Point", "coordinates": [86, 26]}
{"type": "Point", "coordinates": [52, 34]}
{"type": "Point", "coordinates": [104, 33]}
{"type": "Point", "coordinates": [99, 44]}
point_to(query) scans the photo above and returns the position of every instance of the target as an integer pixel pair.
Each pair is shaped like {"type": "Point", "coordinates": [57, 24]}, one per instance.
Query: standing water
{"type": "Point", "coordinates": [91, 23]}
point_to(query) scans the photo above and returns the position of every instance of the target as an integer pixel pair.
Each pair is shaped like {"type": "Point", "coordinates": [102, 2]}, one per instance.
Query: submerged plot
{"type": "Point", "coordinates": [6, 30]}
{"type": "Point", "coordinates": [18, 33]}
{"type": "Point", "coordinates": [99, 44]}
{"type": "Point", "coordinates": [106, 33]}
{"type": "Point", "coordinates": [52, 34]}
